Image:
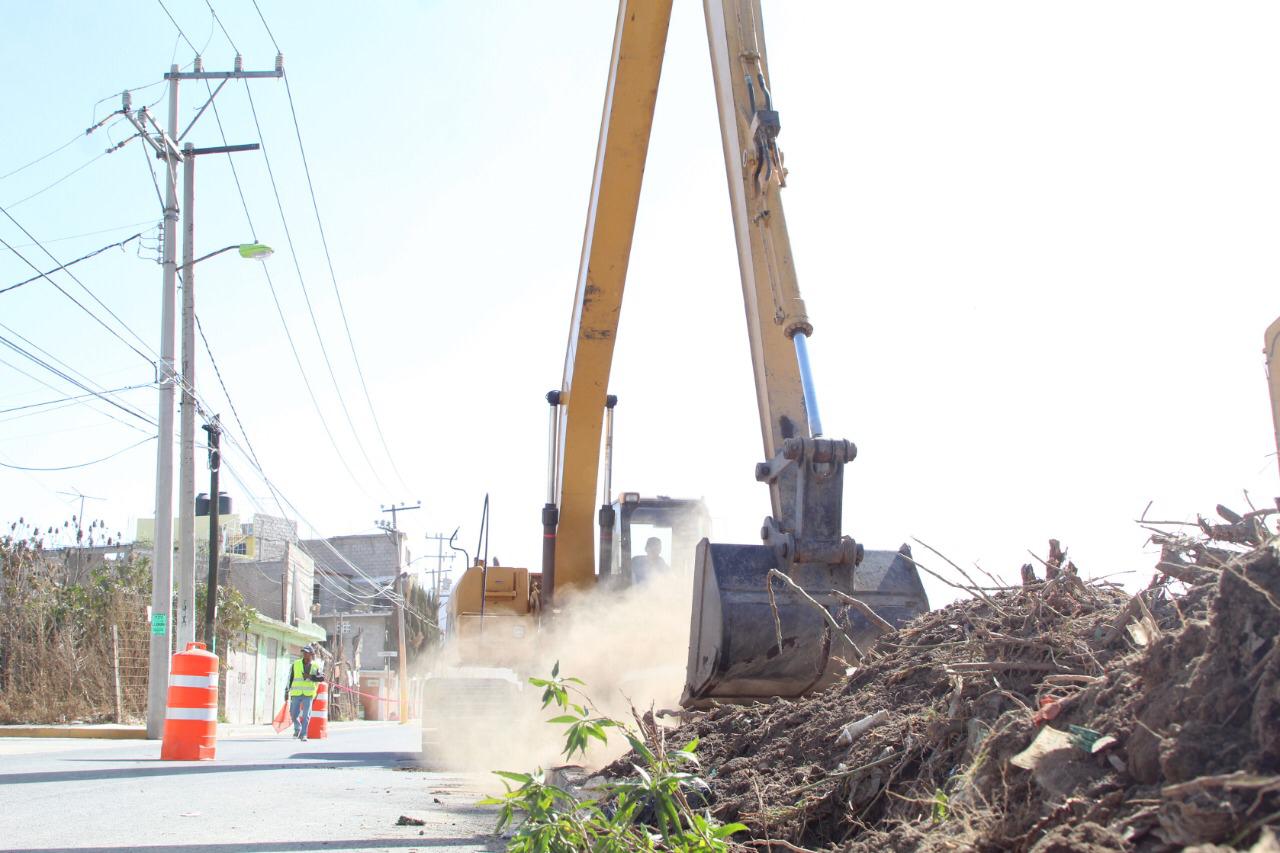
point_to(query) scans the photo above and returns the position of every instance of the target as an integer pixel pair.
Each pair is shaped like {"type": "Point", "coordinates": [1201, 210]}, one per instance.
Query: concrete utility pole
{"type": "Point", "coordinates": [401, 590]}
{"type": "Point", "coordinates": [401, 600]}
{"type": "Point", "coordinates": [162, 558]}
{"type": "Point", "coordinates": [187, 431]}
{"type": "Point", "coordinates": [186, 441]}
{"type": "Point", "coordinates": [165, 143]}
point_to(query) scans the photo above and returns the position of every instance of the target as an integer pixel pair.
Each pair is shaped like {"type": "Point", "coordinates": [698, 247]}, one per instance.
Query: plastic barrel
{"type": "Point", "coordinates": [191, 720]}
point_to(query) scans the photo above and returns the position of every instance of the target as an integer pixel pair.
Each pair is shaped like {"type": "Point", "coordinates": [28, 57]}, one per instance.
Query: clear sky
{"type": "Point", "coordinates": [1037, 241]}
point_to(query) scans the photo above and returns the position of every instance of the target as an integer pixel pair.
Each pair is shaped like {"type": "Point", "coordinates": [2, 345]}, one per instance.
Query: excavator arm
{"type": "Point", "coordinates": [577, 408]}
{"type": "Point", "coordinates": [746, 640]}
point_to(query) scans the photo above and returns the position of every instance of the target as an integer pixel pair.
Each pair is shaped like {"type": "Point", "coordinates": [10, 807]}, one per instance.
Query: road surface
{"type": "Point", "coordinates": [263, 793]}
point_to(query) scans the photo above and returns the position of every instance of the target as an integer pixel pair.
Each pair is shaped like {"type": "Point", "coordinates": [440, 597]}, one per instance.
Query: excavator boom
{"type": "Point", "coordinates": [747, 640]}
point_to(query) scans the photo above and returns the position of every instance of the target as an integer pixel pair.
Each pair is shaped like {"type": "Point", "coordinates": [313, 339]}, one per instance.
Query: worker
{"type": "Point", "coordinates": [651, 565]}
{"type": "Point", "coordinates": [300, 690]}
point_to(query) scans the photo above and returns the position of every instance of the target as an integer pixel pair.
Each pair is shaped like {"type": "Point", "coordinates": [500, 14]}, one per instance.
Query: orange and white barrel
{"type": "Point", "coordinates": [319, 726]}
{"type": "Point", "coordinates": [191, 719]}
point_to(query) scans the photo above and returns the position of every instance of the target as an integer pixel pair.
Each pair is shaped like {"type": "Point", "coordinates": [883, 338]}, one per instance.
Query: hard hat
{"type": "Point", "coordinates": [308, 649]}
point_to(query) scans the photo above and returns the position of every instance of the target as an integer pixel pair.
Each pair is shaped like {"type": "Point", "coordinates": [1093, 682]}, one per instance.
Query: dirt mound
{"type": "Point", "coordinates": [1058, 716]}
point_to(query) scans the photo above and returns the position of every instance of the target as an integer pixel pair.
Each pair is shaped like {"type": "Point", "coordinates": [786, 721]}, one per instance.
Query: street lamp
{"type": "Point", "coordinates": [186, 615]}
{"type": "Point", "coordinates": [251, 251]}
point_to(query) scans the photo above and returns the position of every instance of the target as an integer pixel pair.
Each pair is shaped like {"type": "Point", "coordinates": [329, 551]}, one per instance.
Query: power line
{"type": "Point", "coordinates": [324, 243]}
{"type": "Point", "coordinates": [284, 502]}
{"type": "Point", "coordinates": [73, 172]}
{"type": "Point", "coordinates": [176, 27]}
{"type": "Point", "coordinates": [76, 377]}
{"type": "Point", "coordinates": [223, 28]}
{"type": "Point", "coordinates": [346, 324]}
{"type": "Point", "coordinates": [252, 454]}
{"type": "Point", "coordinates": [87, 234]}
{"type": "Point", "coordinates": [315, 325]}
{"type": "Point", "coordinates": [73, 381]}
{"type": "Point", "coordinates": [72, 141]}
{"type": "Point", "coordinates": [81, 464]}
{"type": "Point", "coordinates": [270, 35]}
{"type": "Point", "coordinates": [68, 399]}
{"type": "Point", "coordinates": [61, 290]}
{"type": "Point", "coordinates": [120, 244]}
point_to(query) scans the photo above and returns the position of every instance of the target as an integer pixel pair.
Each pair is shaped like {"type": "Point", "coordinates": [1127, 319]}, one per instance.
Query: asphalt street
{"type": "Point", "coordinates": [263, 793]}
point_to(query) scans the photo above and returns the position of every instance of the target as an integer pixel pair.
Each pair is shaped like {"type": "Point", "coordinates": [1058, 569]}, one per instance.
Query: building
{"type": "Point", "coordinates": [354, 586]}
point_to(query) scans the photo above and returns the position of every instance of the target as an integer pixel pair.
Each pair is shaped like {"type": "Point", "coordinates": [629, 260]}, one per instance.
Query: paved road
{"type": "Point", "coordinates": [264, 793]}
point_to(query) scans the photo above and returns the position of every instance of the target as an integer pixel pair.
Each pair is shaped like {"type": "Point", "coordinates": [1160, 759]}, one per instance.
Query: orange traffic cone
{"type": "Point", "coordinates": [281, 721]}
{"type": "Point", "coordinates": [319, 726]}
{"type": "Point", "coordinates": [191, 720]}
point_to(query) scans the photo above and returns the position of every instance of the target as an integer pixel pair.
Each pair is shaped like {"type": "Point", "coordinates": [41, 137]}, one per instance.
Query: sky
{"type": "Point", "coordinates": [1037, 242]}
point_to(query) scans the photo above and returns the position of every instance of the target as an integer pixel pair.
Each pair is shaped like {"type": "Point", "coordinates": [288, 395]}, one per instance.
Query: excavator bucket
{"type": "Point", "coordinates": [744, 647]}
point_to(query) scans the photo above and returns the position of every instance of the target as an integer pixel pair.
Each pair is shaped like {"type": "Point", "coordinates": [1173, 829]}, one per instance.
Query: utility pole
{"type": "Point", "coordinates": [401, 591]}
{"type": "Point", "coordinates": [186, 627]}
{"type": "Point", "coordinates": [80, 518]}
{"type": "Point", "coordinates": [187, 431]}
{"type": "Point", "coordinates": [401, 599]}
{"type": "Point", "coordinates": [162, 558]}
{"type": "Point", "coordinates": [438, 573]}
{"type": "Point", "coordinates": [214, 429]}
{"type": "Point", "coordinates": [165, 143]}
{"type": "Point", "coordinates": [394, 509]}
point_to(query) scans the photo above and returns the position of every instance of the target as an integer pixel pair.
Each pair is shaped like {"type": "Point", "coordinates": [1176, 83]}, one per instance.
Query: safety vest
{"type": "Point", "coordinates": [302, 685]}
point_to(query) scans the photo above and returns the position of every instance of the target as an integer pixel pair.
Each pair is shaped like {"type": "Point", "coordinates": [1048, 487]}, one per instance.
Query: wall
{"type": "Point", "coordinates": [379, 555]}
{"type": "Point", "coordinates": [260, 581]}
{"type": "Point", "coordinates": [377, 633]}
{"type": "Point", "coordinates": [271, 535]}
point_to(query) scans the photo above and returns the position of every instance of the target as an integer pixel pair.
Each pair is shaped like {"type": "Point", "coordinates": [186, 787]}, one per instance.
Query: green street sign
{"type": "Point", "coordinates": [158, 623]}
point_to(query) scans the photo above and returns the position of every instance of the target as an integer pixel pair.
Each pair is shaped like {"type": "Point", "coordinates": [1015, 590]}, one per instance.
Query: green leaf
{"type": "Point", "coordinates": [555, 669]}
{"type": "Point", "coordinates": [729, 829]}
{"type": "Point", "coordinates": [564, 718]}
{"type": "Point", "coordinates": [522, 778]}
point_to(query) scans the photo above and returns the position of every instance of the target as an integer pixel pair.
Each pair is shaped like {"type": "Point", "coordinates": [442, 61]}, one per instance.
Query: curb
{"type": "Point", "coordinates": [105, 733]}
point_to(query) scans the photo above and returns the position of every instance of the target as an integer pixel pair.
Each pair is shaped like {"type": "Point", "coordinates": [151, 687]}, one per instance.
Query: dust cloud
{"type": "Point", "coordinates": [629, 645]}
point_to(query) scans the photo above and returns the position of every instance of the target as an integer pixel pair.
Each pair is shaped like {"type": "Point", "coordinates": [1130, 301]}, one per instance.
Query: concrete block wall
{"type": "Point", "coordinates": [272, 534]}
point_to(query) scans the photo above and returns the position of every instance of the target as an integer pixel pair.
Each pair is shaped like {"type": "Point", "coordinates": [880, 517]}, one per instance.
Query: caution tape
{"type": "Point", "coordinates": [338, 687]}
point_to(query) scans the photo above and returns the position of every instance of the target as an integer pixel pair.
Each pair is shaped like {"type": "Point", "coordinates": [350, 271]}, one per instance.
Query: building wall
{"type": "Point", "coordinates": [379, 555]}
{"type": "Point", "coordinates": [374, 632]}
{"type": "Point", "coordinates": [280, 589]}
{"type": "Point", "coordinates": [271, 535]}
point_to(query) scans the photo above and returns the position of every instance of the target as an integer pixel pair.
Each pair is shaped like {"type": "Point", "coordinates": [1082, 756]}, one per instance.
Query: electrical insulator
{"type": "Point", "coordinates": [239, 66]}
{"type": "Point", "coordinates": [279, 63]}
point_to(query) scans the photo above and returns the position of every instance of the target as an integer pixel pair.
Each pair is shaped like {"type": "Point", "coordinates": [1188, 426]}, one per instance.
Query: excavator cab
{"type": "Point", "coordinates": [628, 524]}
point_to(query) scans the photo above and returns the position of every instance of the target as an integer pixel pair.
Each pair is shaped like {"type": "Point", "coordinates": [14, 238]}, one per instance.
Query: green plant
{"type": "Point", "coordinates": [655, 810]}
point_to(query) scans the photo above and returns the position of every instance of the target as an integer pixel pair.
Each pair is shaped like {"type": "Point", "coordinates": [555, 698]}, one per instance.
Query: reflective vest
{"type": "Point", "coordinates": [302, 685]}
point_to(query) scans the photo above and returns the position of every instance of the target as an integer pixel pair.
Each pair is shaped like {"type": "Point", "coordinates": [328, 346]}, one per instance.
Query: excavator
{"type": "Point", "coordinates": [749, 637]}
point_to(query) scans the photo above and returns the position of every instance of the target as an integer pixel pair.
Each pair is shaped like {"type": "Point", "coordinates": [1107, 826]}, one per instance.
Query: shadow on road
{"type": "Point", "coordinates": [481, 842]}
{"type": "Point", "coordinates": [155, 767]}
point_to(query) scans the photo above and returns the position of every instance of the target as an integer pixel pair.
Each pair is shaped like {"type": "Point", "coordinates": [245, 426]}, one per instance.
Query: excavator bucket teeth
{"type": "Point", "coordinates": [734, 649]}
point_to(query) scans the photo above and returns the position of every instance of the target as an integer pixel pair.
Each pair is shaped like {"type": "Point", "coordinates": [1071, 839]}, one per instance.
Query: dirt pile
{"type": "Point", "coordinates": [1061, 715]}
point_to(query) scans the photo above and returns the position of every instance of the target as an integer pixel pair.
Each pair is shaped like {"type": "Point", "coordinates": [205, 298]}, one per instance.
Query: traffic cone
{"type": "Point", "coordinates": [281, 721]}
{"type": "Point", "coordinates": [319, 726]}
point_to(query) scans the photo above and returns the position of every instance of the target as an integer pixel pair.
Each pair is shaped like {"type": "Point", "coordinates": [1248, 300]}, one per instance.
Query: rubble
{"type": "Point", "coordinates": [1058, 715]}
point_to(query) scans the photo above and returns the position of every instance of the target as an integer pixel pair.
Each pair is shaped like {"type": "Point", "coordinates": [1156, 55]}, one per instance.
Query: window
{"type": "Point", "coordinates": [315, 594]}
